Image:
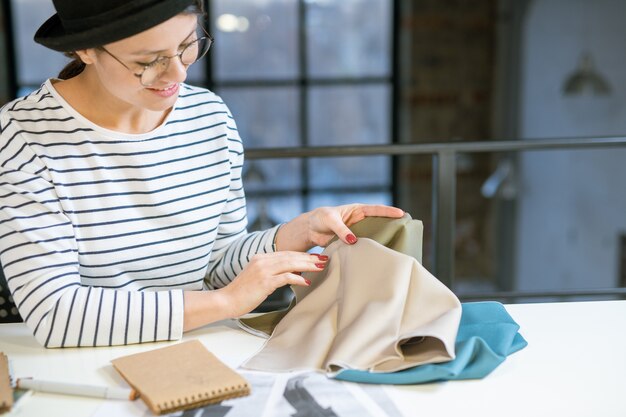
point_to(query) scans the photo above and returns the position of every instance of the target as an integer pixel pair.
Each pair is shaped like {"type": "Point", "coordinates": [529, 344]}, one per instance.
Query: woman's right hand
{"type": "Point", "coordinates": [264, 274]}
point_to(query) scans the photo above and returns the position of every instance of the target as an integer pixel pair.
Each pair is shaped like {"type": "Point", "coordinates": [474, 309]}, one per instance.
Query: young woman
{"type": "Point", "coordinates": [121, 192]}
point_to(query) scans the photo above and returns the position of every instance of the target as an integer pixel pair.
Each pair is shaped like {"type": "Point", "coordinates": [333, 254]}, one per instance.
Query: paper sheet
{"type": "Point", "coordinates": [291, 394]}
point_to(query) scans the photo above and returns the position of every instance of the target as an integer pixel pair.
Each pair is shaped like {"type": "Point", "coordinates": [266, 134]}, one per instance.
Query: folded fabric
{"type": "Point", "coordinates": [403, 235]}
{"type": "Point", "coordinates": [372, 308]}
{"type": "Point", "coordinates": [487, 335]}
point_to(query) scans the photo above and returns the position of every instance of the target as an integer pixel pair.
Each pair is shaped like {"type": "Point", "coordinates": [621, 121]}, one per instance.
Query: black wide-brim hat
{"type": "Point", "coordinates": [82, 24]}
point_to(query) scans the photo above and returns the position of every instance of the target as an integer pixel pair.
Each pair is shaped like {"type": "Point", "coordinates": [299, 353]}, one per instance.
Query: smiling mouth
{"type": "Point", "coordinates": [163, 89]}
{"type": "Point", "coordinates": [166, 92]}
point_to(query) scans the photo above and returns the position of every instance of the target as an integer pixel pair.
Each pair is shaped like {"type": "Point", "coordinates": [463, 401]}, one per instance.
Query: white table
{"type": "Point", "coordinates": [574, 365]}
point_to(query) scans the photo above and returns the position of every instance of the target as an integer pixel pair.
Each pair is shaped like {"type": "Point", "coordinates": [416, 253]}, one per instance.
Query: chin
{"type": "Point", "coordinates": [158, 104]}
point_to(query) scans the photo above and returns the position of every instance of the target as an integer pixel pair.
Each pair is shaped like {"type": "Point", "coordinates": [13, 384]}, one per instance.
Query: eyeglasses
{"type": "Point", "coordinates": [151, 72]}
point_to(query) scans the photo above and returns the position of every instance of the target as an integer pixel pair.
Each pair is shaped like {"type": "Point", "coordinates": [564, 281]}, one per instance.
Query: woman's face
{"type": "Point", "coordinates": [135, 52]}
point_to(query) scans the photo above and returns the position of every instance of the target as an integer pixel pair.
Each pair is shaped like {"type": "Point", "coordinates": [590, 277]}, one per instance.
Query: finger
{"type": "Point", "coordinates": [288, 261]}
{"type": "Point", "coordinates": [378, 210]}
{"type": "Point", "coordinates": [338, 227]}
{"type": "Point", "coordinates": [293, 279]}
{"type": "Point", "coordinates": [362, 211]}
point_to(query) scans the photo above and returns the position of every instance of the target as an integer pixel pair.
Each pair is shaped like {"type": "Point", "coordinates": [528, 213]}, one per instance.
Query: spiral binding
{"type": "Point", "coordinates": [203, 398]}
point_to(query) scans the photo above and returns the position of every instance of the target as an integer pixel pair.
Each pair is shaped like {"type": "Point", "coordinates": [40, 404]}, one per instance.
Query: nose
{"type": "Point", "coordinates": [176, 71]}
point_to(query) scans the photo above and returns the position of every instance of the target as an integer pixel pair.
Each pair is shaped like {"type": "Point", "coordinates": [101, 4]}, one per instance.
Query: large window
{"type": "Point", "coordinates": [307, 73]}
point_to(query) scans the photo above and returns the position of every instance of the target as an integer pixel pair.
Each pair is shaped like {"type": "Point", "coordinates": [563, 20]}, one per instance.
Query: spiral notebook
{"type": "Point", "coordinates": [180, 377]}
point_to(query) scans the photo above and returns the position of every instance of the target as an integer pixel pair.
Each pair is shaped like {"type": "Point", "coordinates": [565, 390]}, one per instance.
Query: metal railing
{"type": "Point", "coordinates": [444, 193]}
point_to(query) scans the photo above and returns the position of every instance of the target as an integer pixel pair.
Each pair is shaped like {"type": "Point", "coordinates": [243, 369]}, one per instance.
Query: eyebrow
{"type": "Point", "coordinates": [149, 52]}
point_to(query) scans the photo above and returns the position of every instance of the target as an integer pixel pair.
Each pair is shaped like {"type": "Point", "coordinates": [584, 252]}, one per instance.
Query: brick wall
{"type": "Point", "coordinates": [447, 60]}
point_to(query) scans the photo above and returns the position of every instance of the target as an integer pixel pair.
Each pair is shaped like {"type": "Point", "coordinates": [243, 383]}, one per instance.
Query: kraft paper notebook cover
{"type": "Point", "coordinates": [6, 393]}
{"type": "Point", "coordinates": [180, 377]}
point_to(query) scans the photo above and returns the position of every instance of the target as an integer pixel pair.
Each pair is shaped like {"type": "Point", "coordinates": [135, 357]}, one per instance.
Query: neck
{"type": "Point", "coordinates": [88, 96]}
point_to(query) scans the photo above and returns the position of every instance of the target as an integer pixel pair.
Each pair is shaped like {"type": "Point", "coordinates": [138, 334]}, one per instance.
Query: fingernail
{"type": "Point", "coordinates": [321, 266]}
{"type": "Point", "coordinates": [321, 257]}
{"type": "Point", "coordinates": [308, 282]}
{"type": "Point", "coordinates": [351, 239]}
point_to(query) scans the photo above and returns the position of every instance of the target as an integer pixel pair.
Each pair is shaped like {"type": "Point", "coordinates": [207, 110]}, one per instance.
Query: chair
{"type": "Point", "coordinates": [8, 310]}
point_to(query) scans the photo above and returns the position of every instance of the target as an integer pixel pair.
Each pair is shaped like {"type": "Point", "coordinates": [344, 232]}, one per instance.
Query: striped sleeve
{"type": "Point", "coordinates": [39, 254]}
{"type": "Point", "coordinates": [234, 246]}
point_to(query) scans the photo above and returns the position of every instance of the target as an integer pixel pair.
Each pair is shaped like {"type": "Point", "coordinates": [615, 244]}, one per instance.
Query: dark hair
{"type": "Point", "coordinates": [76, 65]}
{"type": "Point", "coordinates": [73, 68]}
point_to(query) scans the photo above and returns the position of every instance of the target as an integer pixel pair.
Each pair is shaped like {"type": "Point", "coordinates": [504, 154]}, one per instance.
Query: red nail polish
{"type": "Point", "coordinates": [321, 266]}
{"type": "Point", "coordinates": [308, 282]}
{"type": "Point", "coordinates": [321, 257]}
{"type": "Point", "coordinates": [351, 239]}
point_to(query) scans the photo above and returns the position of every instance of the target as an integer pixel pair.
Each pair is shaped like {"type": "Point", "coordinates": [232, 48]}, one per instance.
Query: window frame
{"type": "Point", "coordinates": [304, 83]}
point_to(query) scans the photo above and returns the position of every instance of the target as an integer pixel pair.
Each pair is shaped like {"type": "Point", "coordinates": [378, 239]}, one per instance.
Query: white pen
{"type": "Point", "coordinates": [76, 389]}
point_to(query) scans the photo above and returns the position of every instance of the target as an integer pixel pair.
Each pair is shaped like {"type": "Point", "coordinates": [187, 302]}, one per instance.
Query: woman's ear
{"type": "Point", "coordinates": [88, 56]}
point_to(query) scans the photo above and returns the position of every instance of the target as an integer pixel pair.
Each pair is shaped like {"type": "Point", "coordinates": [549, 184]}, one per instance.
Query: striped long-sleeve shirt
{"type": "Point", "coordinates": [101, 231]}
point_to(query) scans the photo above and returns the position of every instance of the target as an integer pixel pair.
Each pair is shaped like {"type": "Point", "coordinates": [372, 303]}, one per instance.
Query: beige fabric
{"type": "Point", "coordinates": [372, 308]}
{"type": "Point", "coordinates": [403, 235]}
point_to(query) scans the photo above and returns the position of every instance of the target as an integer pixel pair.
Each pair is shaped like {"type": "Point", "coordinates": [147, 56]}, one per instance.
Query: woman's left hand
{"type": "Point", "coordinates": [318, 227]}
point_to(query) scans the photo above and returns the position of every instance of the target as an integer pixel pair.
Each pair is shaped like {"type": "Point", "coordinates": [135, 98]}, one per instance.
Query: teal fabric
{"type": "Point", "coordinates": [487, 335]}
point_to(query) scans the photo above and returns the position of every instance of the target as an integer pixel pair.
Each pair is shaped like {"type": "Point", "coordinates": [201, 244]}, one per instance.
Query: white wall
{"type": "Point", "coordinates": [572, 205]}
